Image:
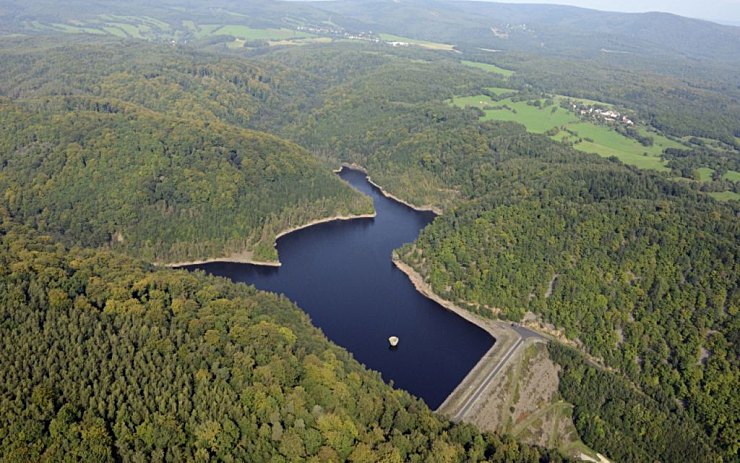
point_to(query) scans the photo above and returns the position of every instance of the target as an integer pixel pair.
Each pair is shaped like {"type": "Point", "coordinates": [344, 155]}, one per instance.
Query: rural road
{"type": "Point", "coordinates": [523, 334]}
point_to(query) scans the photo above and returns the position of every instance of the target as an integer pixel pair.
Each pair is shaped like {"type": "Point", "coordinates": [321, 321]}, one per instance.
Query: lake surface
{"type": "Point", "coordinates": [341, 274]}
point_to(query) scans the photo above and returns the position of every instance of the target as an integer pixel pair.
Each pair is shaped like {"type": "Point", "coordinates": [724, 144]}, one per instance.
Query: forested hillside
{"type": "Point", "coordinates": [101, 172]}
{"type": "Point", "coordinates": [106, 359]}
{"type": "Point", "coordinates": [150, 157]}
{"type": "Point", "coordinates": [220, 134]}
{"type": "Point", "coordinates": [642, 271]}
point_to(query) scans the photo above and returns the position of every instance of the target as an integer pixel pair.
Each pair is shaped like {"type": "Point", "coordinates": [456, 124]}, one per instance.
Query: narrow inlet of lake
{"type": "Point", "coordinates": [341, 274]}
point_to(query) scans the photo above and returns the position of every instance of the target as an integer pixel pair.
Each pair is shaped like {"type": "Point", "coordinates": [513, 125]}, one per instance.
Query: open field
{"type": "Point", "coordinates": [250, 33]}
{"type": "Point", "coordinates": [148, 28]}
{"type": "Point", "coordinates": [584, 101]}
{"type": "Point", "coordinates": [498, 91]}
{"type": "Point", "coordinates": [300, 42]}
{"type": "Point", "coordinates": [489, 68]}
{"type": "Point", "coordinates": [732, 176]}
{"type": "Point", "coordinates": [607, 142]}
{"type": "Point", "coordinates": [204, 30]}
{"type": "Point", "coordinates": [585, 136]}
{"type": "Point", "coordinates": [725, 196]}
{"type": "Point", "coordinates": [420, 43]}
{"type": "Point", "coordinates": [705, 174]}
{"type": "Point", "coordinates": [536, 120]}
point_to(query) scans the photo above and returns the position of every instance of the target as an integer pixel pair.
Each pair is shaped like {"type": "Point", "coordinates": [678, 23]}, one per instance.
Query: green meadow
{"type": "Point", "coordinates": [250, 33]}
{"type": "Point", "coordinates": [704, 173]}
{"type": "Point", "coordinates": [489, 68]}
{"type": "Point", "coordinates": [732, 176]}
{"type": "Point", "coordinates": [725, 196]}
{"type": "Point", "coordinates": [145, 27]}
{"type": "Point", "coordinates": [498, 91]}
{"type": "Point", "coordinates": [585, 136]}
{"type": "Point", "coordinates": [536, 120]}
{"type": "Point", "coordinates": [420, 43]}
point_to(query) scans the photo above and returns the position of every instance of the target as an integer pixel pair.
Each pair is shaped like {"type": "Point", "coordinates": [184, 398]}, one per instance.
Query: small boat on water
{"type": "Point", "coordinates": [393, 341]}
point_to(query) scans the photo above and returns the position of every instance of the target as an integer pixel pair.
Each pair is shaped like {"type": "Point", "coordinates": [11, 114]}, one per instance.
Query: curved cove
{"type": "Point", "coordinates": [342, 275]}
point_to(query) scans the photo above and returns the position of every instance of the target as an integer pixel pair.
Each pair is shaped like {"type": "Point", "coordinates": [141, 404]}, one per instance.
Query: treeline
{"type": "Point", "coordinates": [106, 359]}
{"type": "Point", "coordinates": [697, 104]}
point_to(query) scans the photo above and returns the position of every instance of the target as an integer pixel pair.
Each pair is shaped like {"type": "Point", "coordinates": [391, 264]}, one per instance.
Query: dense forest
{"type": "Point", "coordinates": [151, 164]}
{"type": "Point", "coordinates": [641, 270]}
{"type": "Point", "coordinates": [107, 359]}
{"type": "Point", "coordinates": [171, 152]}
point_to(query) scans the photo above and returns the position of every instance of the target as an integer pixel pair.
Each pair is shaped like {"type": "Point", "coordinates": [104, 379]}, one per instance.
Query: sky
{"type": "Point", "coordinates": [718, 10]}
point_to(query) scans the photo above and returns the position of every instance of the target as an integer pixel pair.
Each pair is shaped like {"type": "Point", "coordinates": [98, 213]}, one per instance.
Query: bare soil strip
{"type": "Point", "coordinates": [245, 257]}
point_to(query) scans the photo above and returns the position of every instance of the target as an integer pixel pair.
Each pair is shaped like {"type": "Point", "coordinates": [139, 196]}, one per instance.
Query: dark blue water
{"type": "Point", "coordinates": [341, 274]}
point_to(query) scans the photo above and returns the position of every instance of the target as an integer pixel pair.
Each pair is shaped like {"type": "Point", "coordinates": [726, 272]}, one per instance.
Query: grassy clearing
{"type": "Point", "coordinates": [584, 101]}
{"type": "Point", "coordinates": [725, 196]}
{"type": "Point", "coordinates": [732, 176]}
{"type": "Point", "coordinates": [205, 30]}
{"type": "Point", "coordinates": [250, 33]}
{"type": "Point", "coordinates": [76, 29]}
{"type": "Point", "coordinates": [146, 27]}
{"type": "Point", "coordinates": [585, 136]}
{"type": "Point", "coordinates": [115, 31]}
{"type": "Point", "coordinates": [537, 120]}
{"type": "Point", "coordinates": [130, 29]}
{"type": "Point", "coordinates": [606, 142]}
{"type": "Point", "coordinates": [489, 68]}
{"type": "Point", "coordinates": [420, 43]}
{"type": "Point", "coordinates": [237, 43]}
{"type": "Point", "coordinates": [300, 42]}
{"type": "Point", "coordinates": [137, 21]}
{"type": "Point", "coordinates": [705, 174]}
{"type": "Point", "coordinates": [117, 26]}
{"type": "Point", "coordinates": [500, 90]}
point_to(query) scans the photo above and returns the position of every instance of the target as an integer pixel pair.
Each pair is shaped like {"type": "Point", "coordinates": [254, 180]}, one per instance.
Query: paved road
{"type": "Point", "coordinates": [524, 334]}
{"type": "Point", "coordinates": [482, 386]}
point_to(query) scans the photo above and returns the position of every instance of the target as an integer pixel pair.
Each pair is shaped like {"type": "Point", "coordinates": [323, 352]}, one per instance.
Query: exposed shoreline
{"type": "Point", "coordinates": [505, 338]}
{"type": "Point", "coordinates": [433, 209]}
{"type": "Point", "coordinates": [245, 257]}
{"type": "Point", "coordinates": [385, 193]}
{"type": "Point", "coordinates": [421, 286]}
{"type": "Point", "coordinates": [507, 344]}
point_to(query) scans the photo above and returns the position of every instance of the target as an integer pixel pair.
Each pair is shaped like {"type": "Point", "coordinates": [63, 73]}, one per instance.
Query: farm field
{"type": "Point", "coordinates": [420, 43]}
{"type": "Point", "coordinates": [732, 176]}
{"type": "Point", "coordinates": [489, 67]}
{"type": "Point", "coordinates": [725, 196]}
{"type": "Point", "coordinates": [705, 174]}
{"type": "Point", "coordinates": [498, 91]}
{"type": "Point", "coordinates": [585, 136]}
{"type": "Point", "coordinates": [118, 26]}
{"type": "Point", "coordinates": [535, 119]}
{"type": "Point", "coordinates": [151, 29]}
{"type": "Point", "coordinates": [250, 33]}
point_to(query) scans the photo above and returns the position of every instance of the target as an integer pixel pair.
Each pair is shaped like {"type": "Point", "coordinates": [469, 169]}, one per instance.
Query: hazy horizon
{"type": "Point", "coordinates": [723, 11]}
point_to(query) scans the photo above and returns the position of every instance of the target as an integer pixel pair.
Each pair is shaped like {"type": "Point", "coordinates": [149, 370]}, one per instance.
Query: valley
{"type": "Point", "coordinates": [585, 216]}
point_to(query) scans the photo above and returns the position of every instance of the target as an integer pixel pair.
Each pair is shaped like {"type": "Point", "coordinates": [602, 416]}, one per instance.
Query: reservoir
{"type": "Point", "coordinates": [342, 275]}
